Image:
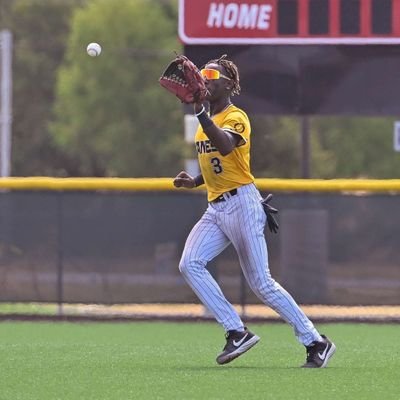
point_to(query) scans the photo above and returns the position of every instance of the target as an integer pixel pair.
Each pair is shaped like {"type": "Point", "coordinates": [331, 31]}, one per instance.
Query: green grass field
{"type": "Point", "coordinates": [156, 360]}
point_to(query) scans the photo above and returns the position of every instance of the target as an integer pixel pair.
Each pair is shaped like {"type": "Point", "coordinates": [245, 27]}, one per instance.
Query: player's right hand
{"type": "Point", "coordinates": [183, 179]}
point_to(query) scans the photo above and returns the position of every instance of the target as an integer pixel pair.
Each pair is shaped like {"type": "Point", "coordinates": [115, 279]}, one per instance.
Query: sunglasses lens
{"type": "Point", "coordinates": [210, 73]}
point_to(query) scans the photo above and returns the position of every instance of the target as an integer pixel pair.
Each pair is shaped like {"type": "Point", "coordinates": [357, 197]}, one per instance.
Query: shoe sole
{"type": "Point", "coordinates": [331, 352]}
{"type": "Point", "coordinates": [239, 351]}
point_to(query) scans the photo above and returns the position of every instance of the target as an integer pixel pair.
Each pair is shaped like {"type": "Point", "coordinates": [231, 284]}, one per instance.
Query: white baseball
{"type": "Point", "coordinates": [93, 49]}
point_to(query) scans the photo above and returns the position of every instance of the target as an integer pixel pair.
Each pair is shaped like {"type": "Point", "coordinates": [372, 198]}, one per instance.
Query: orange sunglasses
{"type": "Point", "coordinates": [212, 74]}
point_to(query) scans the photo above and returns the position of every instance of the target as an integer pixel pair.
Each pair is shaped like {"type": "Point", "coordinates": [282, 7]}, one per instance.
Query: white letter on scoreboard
{"type": "Point", "coordinates": [248, 16]}
{"type": "Point", "coordinates": [215, 15]}
{"type": "Point", "coordinates": [264, 16]}
{"type": "Point", "coordinates": [231, 15]}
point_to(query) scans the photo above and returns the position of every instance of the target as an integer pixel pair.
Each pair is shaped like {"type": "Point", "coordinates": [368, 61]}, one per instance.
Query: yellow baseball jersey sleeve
{"type": "Point", "coordinates": [224, 173]}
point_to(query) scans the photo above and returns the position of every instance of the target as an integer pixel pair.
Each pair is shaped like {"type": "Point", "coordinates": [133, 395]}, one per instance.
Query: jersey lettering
{"type": "Point", "coordinates": [205, 146]}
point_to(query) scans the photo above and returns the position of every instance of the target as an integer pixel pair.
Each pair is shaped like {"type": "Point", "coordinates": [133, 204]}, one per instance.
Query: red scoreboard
{"type": "Point", "coordinates": [289, 21]}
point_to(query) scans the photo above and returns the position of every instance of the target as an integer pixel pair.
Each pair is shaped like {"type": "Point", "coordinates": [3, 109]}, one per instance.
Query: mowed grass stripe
{"type": "Point", "coordinates": [158, 360]}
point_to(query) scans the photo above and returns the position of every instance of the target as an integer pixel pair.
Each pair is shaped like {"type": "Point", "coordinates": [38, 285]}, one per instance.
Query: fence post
{"type": "Point", "coordinates": [60, 255]}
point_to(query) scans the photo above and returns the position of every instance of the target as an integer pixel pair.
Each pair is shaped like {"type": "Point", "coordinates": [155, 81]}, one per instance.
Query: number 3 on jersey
{"type": "Point", "coordinates": [216, 162]}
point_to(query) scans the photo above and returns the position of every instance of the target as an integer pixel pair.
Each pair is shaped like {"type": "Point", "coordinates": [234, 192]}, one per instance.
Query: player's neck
{"type": "Point", "coordinates": [218, 107]}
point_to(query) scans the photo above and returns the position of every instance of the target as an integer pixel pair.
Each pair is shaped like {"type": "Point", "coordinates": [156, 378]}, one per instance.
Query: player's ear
{"type": "Point", "coordinates": [229, 86]}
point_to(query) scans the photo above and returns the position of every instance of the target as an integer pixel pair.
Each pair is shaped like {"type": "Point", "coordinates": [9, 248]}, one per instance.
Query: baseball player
{"type": "Point", "coordinates": [235, 216]}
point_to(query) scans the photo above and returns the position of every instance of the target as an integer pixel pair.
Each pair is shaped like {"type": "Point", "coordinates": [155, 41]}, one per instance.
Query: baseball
{"type": "Point", "coordinates": [93, 49]}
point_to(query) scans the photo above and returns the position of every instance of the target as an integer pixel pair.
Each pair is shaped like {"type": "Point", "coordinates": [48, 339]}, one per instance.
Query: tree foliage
{"type": "Point", "coordinates": [360, 146]}
{"type": "Point", "coordinates": [39, 29]}
{"type": "Point", "coordinates": [276, 148]}
{"type": "Point", "coordinates": [75, 115]}
{"type": "Point", "coordinates": [111, 115]}
{"type": "Point", "coordinates": [340, 147]}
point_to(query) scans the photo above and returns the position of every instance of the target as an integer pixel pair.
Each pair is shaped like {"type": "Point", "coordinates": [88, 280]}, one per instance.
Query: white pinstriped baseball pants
{"type": "Point", "coordinates": [239, 220]}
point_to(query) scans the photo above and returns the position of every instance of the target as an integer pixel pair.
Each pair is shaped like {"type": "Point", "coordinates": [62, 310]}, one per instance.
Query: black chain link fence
{"type": "Point", "coordinates": [124, 247]}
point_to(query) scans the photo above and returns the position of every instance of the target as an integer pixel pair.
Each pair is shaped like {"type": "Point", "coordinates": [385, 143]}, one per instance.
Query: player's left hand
{"type": "Point", "coordinates": [269, 212]}
{"type": "Point", "coordinates": [183, 179]}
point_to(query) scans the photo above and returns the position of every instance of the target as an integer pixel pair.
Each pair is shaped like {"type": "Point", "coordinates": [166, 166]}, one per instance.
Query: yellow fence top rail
{"type": "Point", "coordinates": [118, 184]}
{"type": "Point", "coordinates": [165, 184]}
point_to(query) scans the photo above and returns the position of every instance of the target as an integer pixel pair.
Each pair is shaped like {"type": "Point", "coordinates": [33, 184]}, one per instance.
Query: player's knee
{"type": "Point", "coordinates": [264, 288]}
{"type": "Point", "coordinates": [188, 265]}
{"type": "Point", "coordinates": [183, 267]}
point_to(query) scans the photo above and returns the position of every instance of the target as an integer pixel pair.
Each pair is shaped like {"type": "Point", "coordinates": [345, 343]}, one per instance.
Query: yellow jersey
{"type": "Point", "coordinates": [224, 173]}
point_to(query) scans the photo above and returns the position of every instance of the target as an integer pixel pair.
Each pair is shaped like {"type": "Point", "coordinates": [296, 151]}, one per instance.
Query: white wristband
{"type": "Point", "coordinates": [201, 112]}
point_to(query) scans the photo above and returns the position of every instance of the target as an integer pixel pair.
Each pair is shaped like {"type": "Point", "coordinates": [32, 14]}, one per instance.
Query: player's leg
{"type": "Point", "coordinates": [245, 228]}
{"type": "Point", "coordinates": [204, 243]}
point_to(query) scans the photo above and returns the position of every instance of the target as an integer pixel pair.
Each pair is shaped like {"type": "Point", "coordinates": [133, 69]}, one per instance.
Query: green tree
{"type": "Point", "coordinates": [340, 147]}
{"type": "Point", "coordinates": [111, 115]}
{"type": "Point", "coordinates": [362, 146]}
{"type": "Point", "coordinates": [39, 30]}
{"type": "Point", "coordinates": [276, 149]}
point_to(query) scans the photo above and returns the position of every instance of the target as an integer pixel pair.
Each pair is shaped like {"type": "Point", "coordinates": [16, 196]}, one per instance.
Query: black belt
{"type": "Point", "coordinates": [221, 197]}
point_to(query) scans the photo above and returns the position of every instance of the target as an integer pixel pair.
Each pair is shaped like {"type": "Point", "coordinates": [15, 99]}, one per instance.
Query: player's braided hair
{"type": "Point", "coordinates": [232, 71]}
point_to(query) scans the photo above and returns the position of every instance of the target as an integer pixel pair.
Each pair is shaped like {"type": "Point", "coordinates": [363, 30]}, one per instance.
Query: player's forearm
{"type": "Point", "coordinates": [219, 138]}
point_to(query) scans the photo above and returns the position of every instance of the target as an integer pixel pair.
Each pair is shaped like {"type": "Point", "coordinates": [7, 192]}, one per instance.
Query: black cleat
{"type": "Point", "coordinates": [319, 353]}
{"type": "Point", "coordinates": [237, 343]}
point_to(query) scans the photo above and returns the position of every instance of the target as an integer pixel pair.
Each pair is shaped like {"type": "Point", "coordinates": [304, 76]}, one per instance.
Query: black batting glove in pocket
{"type": "Point", "coordinates": [269, 212]}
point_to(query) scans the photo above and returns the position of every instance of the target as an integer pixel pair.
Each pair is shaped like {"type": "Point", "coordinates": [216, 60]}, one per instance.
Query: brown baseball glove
{"type": "Point", "coordinates": [183, 79]}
